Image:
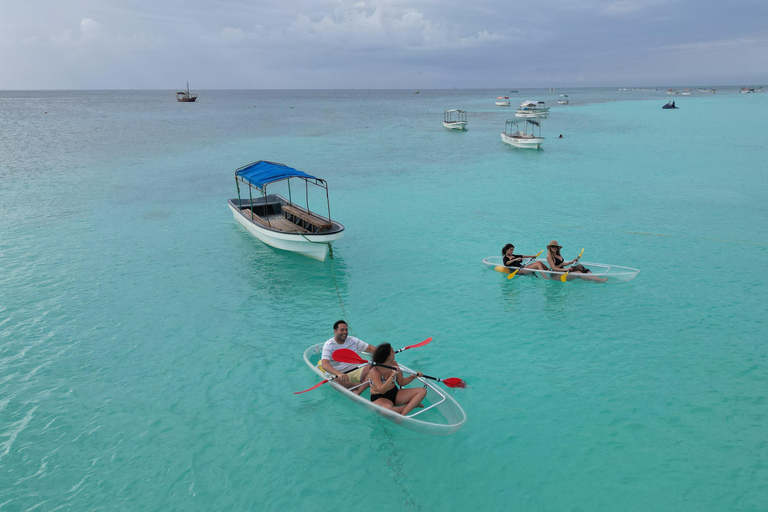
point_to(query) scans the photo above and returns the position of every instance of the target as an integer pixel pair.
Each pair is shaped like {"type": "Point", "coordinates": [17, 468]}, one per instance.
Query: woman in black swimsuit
{"type": "Point", "coordinates": [384, 391]}
{"type": "Point", "coordinates": [558, 263]}
{"type": "Point", "coordinates": [513, 261]}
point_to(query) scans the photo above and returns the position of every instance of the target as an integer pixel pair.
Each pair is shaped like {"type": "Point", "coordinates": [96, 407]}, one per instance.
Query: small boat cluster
{"type": "Point", "coordinates": [524, 132]}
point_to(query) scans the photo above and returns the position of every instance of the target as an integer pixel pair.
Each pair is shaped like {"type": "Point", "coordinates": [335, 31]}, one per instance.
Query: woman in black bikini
{"type": "Point", "coordinates": [558, 263]}
{"type": "Point", "coordinates": [513, 261]}
{"type": "Point", "coordinates": [384, 391]}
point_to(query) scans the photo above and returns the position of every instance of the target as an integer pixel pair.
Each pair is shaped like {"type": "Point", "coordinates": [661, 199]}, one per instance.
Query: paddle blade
{"type": "Point", "coordinates": [344, 355]}
{"type": "Point", "coordinates": [454, 382]}
{"type": "Point", "coordinates": [510, 276]}
{"type": "Point", "coordinates": [564, 276]}
{"type": "Point", "coordinates": [416, 345]}
{"type": "Point", "coordinates": [313, 387]}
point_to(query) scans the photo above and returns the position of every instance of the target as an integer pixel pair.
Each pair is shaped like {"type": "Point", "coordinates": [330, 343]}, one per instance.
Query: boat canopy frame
{"type": "Point", "coordinates": [526, 122]}
{"type": "Point", "coordinates": [265, 172]}
{"type": "Point", "coordinates": [461, 116]}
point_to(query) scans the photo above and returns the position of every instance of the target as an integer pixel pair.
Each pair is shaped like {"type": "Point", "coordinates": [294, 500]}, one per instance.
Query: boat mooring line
{"type": "Point", "coordinates": [394, 461]}
{"type": "Point", "coordinates": [333, 273]}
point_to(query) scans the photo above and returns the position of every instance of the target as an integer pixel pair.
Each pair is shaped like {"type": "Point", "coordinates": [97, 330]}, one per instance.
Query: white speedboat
{"type": "Point", "coordinates": [672, 91]}
{"type": "Point", "coordinates": [687, 92]}
{"type": "Point", "coordinates": [601, 272]}
{"type": "Point", "coordinates": [278, 221]}
{"type": "Point", "coordinates": [525, 138]}
{"type": "Point", "coordinates": [532, 109]}
{"type": "Point", "coordinates": [441, 415]}
{"type": "Point", "coordinates": [563, 99]}
{"type": "Point", "coordinates": [455, 119]}
{"type": "Point", "coordinates": [502, 101]}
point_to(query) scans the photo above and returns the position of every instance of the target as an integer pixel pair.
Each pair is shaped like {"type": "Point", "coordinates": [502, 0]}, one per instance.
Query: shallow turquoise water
{"type": "Point", "coordinates": [149, 346]}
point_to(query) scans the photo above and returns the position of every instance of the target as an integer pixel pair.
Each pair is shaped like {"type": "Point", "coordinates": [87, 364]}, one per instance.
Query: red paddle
{"type": "Point", "coordinates": [414, 346]}
{"type": "Point", "coordinates": [344, 355]}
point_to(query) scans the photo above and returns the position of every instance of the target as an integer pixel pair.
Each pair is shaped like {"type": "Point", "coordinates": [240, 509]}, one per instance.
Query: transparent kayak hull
{"type": "Point", "coordinates": [601, 272]}
{"type": "Point", "coordinates": [440, 416]}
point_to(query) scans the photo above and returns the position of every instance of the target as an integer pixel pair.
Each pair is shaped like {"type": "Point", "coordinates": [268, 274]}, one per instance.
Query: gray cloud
{"type": "Point", "coordinates": [380, 43]}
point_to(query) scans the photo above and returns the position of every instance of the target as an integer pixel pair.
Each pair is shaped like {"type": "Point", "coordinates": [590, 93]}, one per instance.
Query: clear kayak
{"type": "Point", "coordinates": [601, 272]}
{"type": "Point", "coordinates": [440, 416]}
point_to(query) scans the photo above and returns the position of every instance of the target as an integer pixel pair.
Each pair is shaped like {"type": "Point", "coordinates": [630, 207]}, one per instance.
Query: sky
{"type": "Point", "coordinates": [380, 44]}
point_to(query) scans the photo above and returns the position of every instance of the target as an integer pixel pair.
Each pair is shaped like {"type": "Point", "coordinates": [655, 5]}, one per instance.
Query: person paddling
{"type": "Point", "coordinates": [348, 375]}
{"type": "Point", "coordinates": [385, 382]}
{"type": "Point", "coordinates": [514, 261]}
{"type": "Point", "coordinates": [558, 264]}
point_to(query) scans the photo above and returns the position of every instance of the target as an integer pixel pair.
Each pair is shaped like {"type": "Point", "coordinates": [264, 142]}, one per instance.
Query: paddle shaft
{"type": "Point", "coordinates": [522, 265]}
{"type": "Point", "coordinates": [407, 371]}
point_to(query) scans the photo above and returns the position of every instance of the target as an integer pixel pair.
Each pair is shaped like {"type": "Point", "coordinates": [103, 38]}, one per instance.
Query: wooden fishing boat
{"type": "Point", "coordinates": [441, 415]}
{"type": "Point", "coordinates": [455, 119]}
{"type": "Point", "coordinates": [277, 220]}
{"type": "Point", "coordinates": [601, 272]}
{"type": "Point", "coordinates": [185, 96]}
{"type": "Point", "coordinates": [531, 109]}
{"type": "Point", "coordinates": [527, 138]}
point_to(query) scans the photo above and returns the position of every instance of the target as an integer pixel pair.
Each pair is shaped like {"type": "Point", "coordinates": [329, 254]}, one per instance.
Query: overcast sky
{"type": "Point", "coordinates": [411, 44]}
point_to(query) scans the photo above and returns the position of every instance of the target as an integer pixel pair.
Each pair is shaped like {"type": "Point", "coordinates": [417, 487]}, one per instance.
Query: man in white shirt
{"type": "Point", "coordinates": [348, 375]}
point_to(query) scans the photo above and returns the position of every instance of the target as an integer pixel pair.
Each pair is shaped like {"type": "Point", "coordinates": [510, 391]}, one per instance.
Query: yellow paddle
{"type": "Point", "coordinates": [565, 276]}
{"type": "Point", "coordinates": [510, 276]}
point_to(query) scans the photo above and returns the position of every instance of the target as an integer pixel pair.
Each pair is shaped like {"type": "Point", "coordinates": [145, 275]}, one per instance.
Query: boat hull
{"type": "Point", "coordinates": [601, 272]}
{"type": "Point", "coordinates": [457, 125]}
{"type": "Point", "coordinates": [441, 416]}
{"type": "Point", "coordinates": [502, 103]}
{"type": "Point", "coordinates": [519, 142]}
{"type": "Point", "coordinates": [314, 246]}
{"type": "Point", "coordinates": [530, 114]}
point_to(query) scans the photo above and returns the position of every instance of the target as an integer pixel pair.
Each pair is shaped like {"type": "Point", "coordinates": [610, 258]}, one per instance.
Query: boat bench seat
{"type": "Point", "coordinates": [278, 223]}
{"type": "Point", "coordinates": [315, 222]}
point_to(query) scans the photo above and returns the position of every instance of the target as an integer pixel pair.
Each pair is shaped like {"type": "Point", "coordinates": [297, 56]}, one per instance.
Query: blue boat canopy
{"type": "Point", "coordinates": [262, 172]}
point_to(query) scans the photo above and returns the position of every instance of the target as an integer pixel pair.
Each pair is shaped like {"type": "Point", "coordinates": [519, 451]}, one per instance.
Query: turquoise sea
{"type": "Point", "coordinates": [150, 346]}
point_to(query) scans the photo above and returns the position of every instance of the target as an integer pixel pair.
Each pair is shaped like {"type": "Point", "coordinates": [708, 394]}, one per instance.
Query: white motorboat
{"type": "Point", "coordinates": [278, 221]}
{"type": "Point", "coordinates": [601, 272]}
{"type": "Point", "coordinates": [441, 415]}
{"type": "Point", "coordinates": [687, 92]}
{"type": "Point", "coordinates": [502, 101]}
{"type": "Point", "coordinates": [672, 91]}
{"type": "Point", "coordinates": [525, 138]}
{"type": "Point", "coordinates": [711, 91]}
{"type": "Point", "coordinates": [563, 99]}
{"type": "Point", "coordinates": [532, 109]}
{"type": "Point", "coordinates": [455, 119]}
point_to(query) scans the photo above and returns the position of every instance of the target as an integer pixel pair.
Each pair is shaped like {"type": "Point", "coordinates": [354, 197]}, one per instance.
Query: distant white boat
{"type": "Point", "coordinates": [502, 101]}
{"type": "Point", "coordinates": [711, 91]}
{"type": "Point", "coordinates": [455, 119]}
{"type": "Point", "coordinates": [563, 99]}
{"type": "Point", "coordinates": [672, 91]}
{"type": "Point", "coordinates": [526, 138]}
{"type": "Point", "coordinates": [687, 92]}
{"type": "Point", "coordinates": [531, 109]}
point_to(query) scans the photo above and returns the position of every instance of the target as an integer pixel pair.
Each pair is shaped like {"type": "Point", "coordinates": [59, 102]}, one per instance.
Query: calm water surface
{"type": "Point", "coordinates": [149, 345]}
